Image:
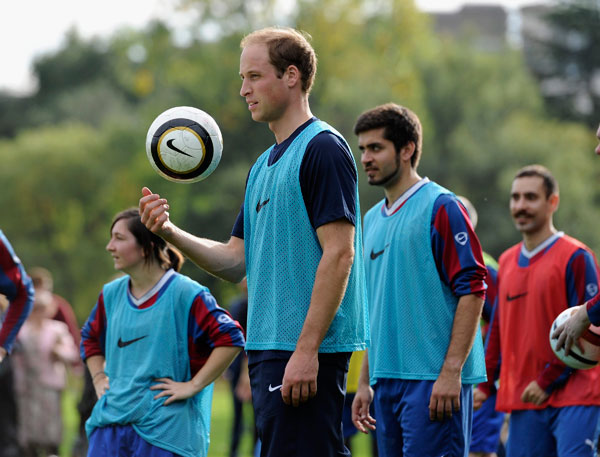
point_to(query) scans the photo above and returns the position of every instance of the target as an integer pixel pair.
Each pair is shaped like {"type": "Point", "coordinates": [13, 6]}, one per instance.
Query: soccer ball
{"type": "Point", "coordinates": [184, 144]}
{"type": "Point", "coordinates": [590, 340]}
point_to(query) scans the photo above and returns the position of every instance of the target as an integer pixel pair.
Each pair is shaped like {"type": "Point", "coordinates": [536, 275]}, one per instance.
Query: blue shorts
{"type": "Point", "coordinates": [403, 425]}
{"type": "Point", "coordinates": [568, 431]}
{"type": "Point", "coordinates": [312, 429]}
{"type": "Point", "coordinates": [487, 425]}
{"type": "Point", "coordinates": [122, 441]}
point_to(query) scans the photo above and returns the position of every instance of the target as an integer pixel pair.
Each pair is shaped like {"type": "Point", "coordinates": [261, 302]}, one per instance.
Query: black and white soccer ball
{"type": "Point", "coordinates": [184, 144]}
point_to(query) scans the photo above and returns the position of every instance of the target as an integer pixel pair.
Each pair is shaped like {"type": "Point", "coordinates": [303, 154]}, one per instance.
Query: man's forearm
{"type": "Point", "coordinates": [464, 329]}
{"type": "Point", "coordinates": [223, 260]}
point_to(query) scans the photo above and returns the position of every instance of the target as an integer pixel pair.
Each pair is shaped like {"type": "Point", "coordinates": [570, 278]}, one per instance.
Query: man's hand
{"type": "Point", "coordinates": [361, 418]}
{"type": "Point", "coordinates": [445, 395]}
{"type": "Point", "coordinates": [533, 393]}
{"type": "Point", "coordinates": [154, 212]}
{"type": "Point", "coordinates": [242, 388]}
{"type": "Point", "coordinates": [569, 332]}
{"type": "Point", "coordinates": [478, 398]}
{"type": "Point", "coordinates": [2, 353]}
{"type": "Point", "coordinates": [300, 378]}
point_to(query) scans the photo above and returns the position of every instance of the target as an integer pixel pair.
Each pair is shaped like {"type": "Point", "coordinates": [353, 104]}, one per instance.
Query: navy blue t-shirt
{"type": "Point", "coordinates": [327, 179]}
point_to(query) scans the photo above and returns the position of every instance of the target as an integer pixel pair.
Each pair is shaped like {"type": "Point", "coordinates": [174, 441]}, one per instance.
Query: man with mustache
{"type": "Point", "coordinates": [554, 409]}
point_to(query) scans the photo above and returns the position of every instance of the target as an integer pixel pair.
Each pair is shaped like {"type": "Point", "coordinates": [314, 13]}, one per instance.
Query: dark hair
{"type": "Point", "coordinates": [154, 247]}
{"type": "Point", "coordinates": [400, 125]}
{"type": "Point", "coordinates": [287, 47]}
{"type": "Point", "coordinates": [550, 183]}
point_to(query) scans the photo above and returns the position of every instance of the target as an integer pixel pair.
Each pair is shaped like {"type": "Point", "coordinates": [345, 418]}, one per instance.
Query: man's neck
{"type": "Point", "coordinates": [295, 115]}
{"type": "Point", "coordinates": [394, 192]}
{"type": "Point", "coordinates": [533, 240]}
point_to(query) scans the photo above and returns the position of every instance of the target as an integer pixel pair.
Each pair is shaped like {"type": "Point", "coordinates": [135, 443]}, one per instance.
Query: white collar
{"type": "Point", "coordinates": [161, 282]}
{"type": "Point", "coordinates": [540, 247]}
{"type": "Point", "coordinates": [405, 196]}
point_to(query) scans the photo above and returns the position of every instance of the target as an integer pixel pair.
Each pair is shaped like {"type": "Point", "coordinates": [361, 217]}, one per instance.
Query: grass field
{"type": "Point", "coordinates": [222, 413]}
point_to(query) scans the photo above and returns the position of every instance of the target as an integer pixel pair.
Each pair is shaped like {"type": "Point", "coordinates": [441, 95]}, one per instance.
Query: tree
{"type": "Point", "coordinates": [76, 154]}
{"type": "Point", "coordinates": [566, 60]}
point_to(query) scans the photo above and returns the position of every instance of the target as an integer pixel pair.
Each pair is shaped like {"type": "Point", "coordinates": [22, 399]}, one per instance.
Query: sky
{"type": "Point", "coordinates": [32, 28]}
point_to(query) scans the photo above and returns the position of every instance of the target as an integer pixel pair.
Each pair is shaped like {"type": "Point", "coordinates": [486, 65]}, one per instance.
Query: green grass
{"type": "Point", "coordinates": [70, 415]}
{"type": "Point", "coordinates": [222, 413]}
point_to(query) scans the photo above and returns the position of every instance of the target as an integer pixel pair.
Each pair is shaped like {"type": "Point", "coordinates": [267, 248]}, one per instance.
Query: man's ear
{"type": "Point", "coordinates": [554, 200]}
{"type": "Point", "coordinates": [407, 151]}
{"type": "Point", "coordinates": [293, 75]}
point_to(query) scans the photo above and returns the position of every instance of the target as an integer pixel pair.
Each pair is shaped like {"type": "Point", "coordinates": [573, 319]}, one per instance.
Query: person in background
{"type": "Point", "coordinates": [61, 309]}
{"type": "Point", "coordinates": [554, 410]}
{"type": "Point", "coordinates": [16, 302]}
{"type": "Point", "coordinates": [40, 367]}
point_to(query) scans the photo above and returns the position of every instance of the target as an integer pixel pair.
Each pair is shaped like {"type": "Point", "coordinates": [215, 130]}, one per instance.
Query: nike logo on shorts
{"type": "Point", "coordinates": [273, 389]}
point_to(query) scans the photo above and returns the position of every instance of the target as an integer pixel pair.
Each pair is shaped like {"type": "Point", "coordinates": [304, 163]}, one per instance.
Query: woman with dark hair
{"type": "Point", "coordinates": [154, 343]}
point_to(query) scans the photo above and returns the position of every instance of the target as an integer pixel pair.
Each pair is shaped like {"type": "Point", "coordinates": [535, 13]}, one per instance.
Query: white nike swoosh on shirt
{"type": "Point", "coordinates": [273, 389]}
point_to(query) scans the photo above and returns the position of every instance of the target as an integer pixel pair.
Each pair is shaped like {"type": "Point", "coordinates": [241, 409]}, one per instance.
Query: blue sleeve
{"type": "Point", "coordinates": [238, 226]}
{"type": "Point", "coordinates": [210, 326]}
{"type": "Point", "coordinates": [581, 277]}
{"type": "Point", "coordinates": [18, 289]}
{"type": "Point", "coordinates": [93, 332]}
{"type": "Point", "coordinates": [456, 248]}
{"type": "Point", "coordinates": [593, 310]}
{"type": "Point", "coordinates": [491, 293]}
{"type": "Point", "coordinates": [328, 180]}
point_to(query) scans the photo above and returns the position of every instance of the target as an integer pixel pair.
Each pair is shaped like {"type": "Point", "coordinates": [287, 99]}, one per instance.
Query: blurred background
{"type": "Point", "coordinates": [496, 85]}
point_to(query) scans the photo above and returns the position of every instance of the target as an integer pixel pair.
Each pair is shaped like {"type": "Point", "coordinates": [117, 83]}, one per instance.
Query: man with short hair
{"type": "Point", "coordinates": [298, 240]}
{"type": "Point", "coordinates": [554, 409]}
{"type": "Point", "coordinates": [425, 282]}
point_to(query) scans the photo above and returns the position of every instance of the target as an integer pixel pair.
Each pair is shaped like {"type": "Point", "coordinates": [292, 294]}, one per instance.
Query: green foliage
{"type": "Point", "coordinates": [51, 213]}
{"type": "Point", "coordinates": [73, 154]}
{"type": "Point", "coordinates": [570, 57]}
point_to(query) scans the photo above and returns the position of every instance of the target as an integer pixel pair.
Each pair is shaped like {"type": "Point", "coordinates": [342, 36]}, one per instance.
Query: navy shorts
{"type": "Point", "coordinates": [568, 431]}
{"type": "Point", "coordinates": [312, 429]}
{"type": "Point", "coordinates": [403, 425]}
{"type": "Point", "coordinates": [122, 441]}
{"type": "Point", "coordinates": [347, 424]}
